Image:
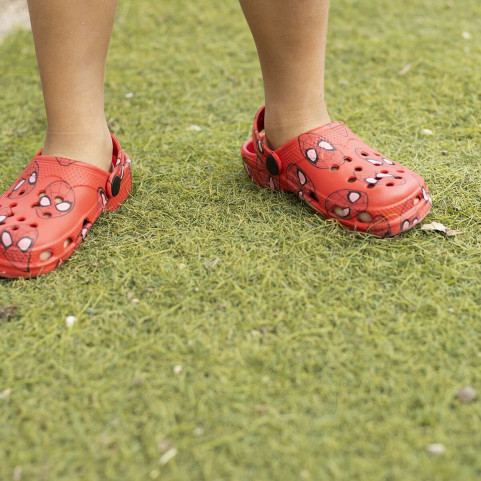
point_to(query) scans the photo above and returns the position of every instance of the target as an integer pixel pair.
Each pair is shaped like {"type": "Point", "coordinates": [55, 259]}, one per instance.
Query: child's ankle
{"type": "Point", "coordinates": [91, 147]}
{"type": "Point", "coordinates": [284, 123]}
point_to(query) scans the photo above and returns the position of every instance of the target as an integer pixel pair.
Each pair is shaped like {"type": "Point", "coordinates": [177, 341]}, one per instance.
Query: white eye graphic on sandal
{"type": "Point", "coordinates": [19, 185]}
{"type": "Point", "coordinates": [33, 178]}
{"type": "Point", "coordinates": [387, 161]}
{"type": "Point", "coordinates": [301, 177]}
{"type": "Point", "coordinates": [353, 197]}
{"type": "Point", "coordinates": [101, 199]}
{"type": "Point", "coordinates": [63, 206]}
{"type": "Point", "coordinates": [25, 243]}
{"type": "Point", "coordinates": [324, 144]}
{"type": "Point", "coordinates": [426, 196]}
{"type": "Point", "coordinates": [377, 163]}
{"type": "Point", "coordinates": [6, 240]}
{"type": "Point", "coordinates": [371, 180]}
{"type": "Point", "coordinates": [259, 146]}
{"type": "Point", "coordinates": [44, 201]}
{"type": "Point", "coordinates": [2, 218]}
{"type": "Point", "coordinates": [311, 154]}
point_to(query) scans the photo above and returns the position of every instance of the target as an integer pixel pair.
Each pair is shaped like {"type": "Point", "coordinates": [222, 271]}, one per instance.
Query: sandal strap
{"type": "Point", "coordinates": [269, 157]}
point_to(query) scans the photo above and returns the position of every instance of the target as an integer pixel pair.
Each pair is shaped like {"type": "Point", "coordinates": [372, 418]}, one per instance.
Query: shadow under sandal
{"type": "Point", "coordinates": [340, 177]}
{"type": "Point", "coordinates": [48, 211]}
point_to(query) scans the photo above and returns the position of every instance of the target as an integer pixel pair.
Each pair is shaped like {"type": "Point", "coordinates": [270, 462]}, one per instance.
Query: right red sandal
{"type": "Point", "coordinates": [340, 177]}
{"type": "Point", "coordinates": [48, 211]}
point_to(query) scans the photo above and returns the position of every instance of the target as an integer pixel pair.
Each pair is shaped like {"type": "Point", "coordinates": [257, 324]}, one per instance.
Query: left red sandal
{"type": "Point", "coordinates": [47, 213]}
{"type": "Point", "coordinates": [340, 177]}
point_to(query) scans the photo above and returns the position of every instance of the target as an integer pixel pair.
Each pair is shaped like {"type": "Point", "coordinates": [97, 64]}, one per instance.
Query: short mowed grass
{"type": "Point", "coordinates": [306, 352]}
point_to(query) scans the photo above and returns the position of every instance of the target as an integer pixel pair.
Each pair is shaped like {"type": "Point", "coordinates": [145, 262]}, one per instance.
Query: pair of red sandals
{"type": "Point", "coordinates": [47, 213]}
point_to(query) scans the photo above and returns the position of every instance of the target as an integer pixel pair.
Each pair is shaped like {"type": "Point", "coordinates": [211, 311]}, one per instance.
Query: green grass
{"type": "Point", "coordinates": [308, 353]}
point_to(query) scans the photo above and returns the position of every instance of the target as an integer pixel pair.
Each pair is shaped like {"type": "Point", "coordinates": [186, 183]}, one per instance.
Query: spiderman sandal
{"type": "Point", "coordinates": [340, 177]}
{"type": "Point", "coordinates": [47, 213]}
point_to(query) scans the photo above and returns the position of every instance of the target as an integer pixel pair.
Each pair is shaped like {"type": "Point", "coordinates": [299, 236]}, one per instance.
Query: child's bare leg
{"type": "Point", "coordinates": [71, 40]}
{"type": "Point", "coordinates": [290, 36]}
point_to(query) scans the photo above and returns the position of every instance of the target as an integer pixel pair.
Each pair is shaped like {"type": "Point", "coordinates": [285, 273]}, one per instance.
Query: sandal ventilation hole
{"type": "Point", "coordinates": [15, 227]}
{"type": "Point", "coordinates": [67, 242]}
{"type": "Point", "coordinates": [347, 159]}
{"type": "Point", "coordinates": [46, 255]}
{"type": "Point", "coordinates": [390, 184]}
{"type": "Point", "coordinates": [351, 180]}
{"type": "Point", "coordinates": [14, 204]}
{"type": "Point", "coordinates": [371, 186]}
{"type": "Point", "coordinates": [334, 168]}
{"type": "Point", "coordinates": [364, 217]}
{"type": "Point", "coordinates": [384, 172]}
{"type": "Point", "coordinates": [47, 215]}
{"type": "Point", "coordinates": [358, 169]}
{"type": "Point", "coordinates": [313, 195]}
{"type": "Point", "coordinates": [33, 225]}
{"type": "Point", "coordinates": [364, 154]}
{"type": "Point", "coordinates": [58, 200]}
{"type": "Point", "coordinates": [339, 211]}
{"type": "Point", "coordinates": [21, 219]}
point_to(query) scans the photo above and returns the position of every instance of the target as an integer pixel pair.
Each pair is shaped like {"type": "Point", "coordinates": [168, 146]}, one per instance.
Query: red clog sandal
{"type": "Point", "coordinates": [48, 211]}
{"type": "Point", "coordinates": [340, 177]}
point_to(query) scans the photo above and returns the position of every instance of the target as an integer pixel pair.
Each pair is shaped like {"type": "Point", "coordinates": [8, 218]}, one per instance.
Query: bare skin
{"type": "Point", "coordinates": [72, 40]}
{"type": "Point", "coordinates": [290, 37]}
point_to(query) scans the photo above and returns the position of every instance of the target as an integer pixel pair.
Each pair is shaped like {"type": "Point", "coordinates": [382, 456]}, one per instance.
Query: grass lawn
{"type": "Point", "coordinates": [227, 333]}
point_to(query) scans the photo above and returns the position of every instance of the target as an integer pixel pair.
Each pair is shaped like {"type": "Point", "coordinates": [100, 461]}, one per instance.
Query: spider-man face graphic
{"type": "Point", "coordinates": [56, 200]}
{"type": "Point", "coordinates": [300, 183]}
{"type": "Point", "coordinates": [319, 152]}
{"type": "Point", "coordinates": [16, 245]}
{"type": "Point", "coordinates": [346, 204]}
{"type": "Point", "coordinates": [26, 183]}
